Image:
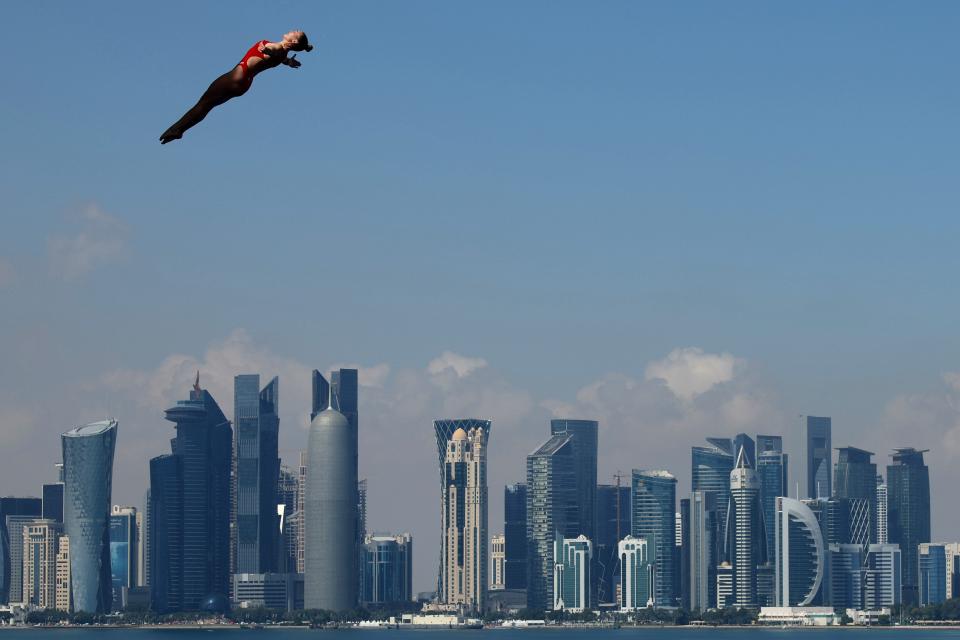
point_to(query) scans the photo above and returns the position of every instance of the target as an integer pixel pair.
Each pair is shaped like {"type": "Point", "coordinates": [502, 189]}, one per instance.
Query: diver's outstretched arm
{"type": "Point", "coordinates": [219, 91]}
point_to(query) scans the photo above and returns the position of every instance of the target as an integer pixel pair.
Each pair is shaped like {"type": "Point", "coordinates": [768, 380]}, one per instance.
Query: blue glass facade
{"type": "Point", "coordinates": [654, 495]}
{"type": "Point", "coordinates": [551, 511]}
{"type": "Point", "coordinates": [855, 479]}
{"type": "Point", "coordinates": [387, 566]}
{"type": "Point", "coordinates": [53, 502]}
{"type": "Point", "coordinates": [908, 513]}
{"type": "Point", "coordinates": [88, 482]}
{"type": "Point", "coordinates": [190, 508]}
{"type": "Point", "coordinates": [123, 553]}
{"type": "Point", "coordinates": [256, 430]}
{"type": "Point", "coordinates": [515, 536]}
{"type": "Point", "coordinates": [613, 524]}
{"type": "Point", "coordinates": [817, 457]}
{"type": "Point", "coordinates": [12, 507]}
{"type": "Point", "coordinates": [933, 574]}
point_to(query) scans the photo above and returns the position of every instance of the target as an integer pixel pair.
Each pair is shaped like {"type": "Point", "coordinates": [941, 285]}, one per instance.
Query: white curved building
{"type": "Point", "coordinates": [800, 555]}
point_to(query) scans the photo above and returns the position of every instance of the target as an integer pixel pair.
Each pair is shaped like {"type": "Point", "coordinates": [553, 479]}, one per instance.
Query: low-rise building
{"type": "Point", "coordinates": [799, 616]}
{"type": "Point", "coordinates": [282, 591]}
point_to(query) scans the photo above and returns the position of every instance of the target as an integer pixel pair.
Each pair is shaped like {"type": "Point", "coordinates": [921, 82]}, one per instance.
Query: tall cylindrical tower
{"type": "Point", "coordinates": [744, 499]}
{"type": "Point", "coordinates": [88, 479]}
{"type": "Point", "coordinates": [330, 579]}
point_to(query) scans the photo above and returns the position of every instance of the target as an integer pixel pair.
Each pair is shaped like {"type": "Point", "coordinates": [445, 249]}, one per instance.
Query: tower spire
{"type": "Point", "coordinates": [196, 384]}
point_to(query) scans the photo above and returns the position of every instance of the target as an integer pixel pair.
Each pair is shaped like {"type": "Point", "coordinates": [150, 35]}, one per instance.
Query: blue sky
{"type": "Point", "coordinates": [566, 192]}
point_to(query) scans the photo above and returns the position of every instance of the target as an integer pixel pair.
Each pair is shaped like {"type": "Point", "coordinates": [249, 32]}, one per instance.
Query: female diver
{"type": "Point", "coordinates": [263, 55]}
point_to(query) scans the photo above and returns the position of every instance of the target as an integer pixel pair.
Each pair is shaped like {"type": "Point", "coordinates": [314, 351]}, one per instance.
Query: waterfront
{"type": "Point", "coordinates": [633, 633]}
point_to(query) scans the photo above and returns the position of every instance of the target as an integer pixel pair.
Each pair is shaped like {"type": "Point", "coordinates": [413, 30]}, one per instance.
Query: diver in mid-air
{"type": "Point", "coordinates": [263, 55]}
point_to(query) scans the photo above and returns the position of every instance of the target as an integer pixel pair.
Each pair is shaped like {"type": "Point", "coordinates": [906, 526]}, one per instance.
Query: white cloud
{"type": "Point", "coordinates": [462, 366]}
{"type": "Point", "coordinates": [689, 372]}
{"type": "Point", "coordinates": [7, 273]}
{"type": "Point", "coordinates": [373, 376]}
{"type": "Point", "coordinates": [98, 239]}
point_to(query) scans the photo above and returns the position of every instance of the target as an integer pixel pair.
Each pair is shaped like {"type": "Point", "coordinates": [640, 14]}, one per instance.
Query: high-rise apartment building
{"type": "Point", "coordinates": [908, 504]}
{"type": "Point", "coordinates": [855, 479]}
{"type": "Point", "coordinates": [613, 523]}
{"type": "Point", "coordinates": [515, 536]}
{"type": "Point", "coordinates": [64, 586]}
{"type": "Point", "coordinates": [16, 526]}
{"type": "Point", "coordinates": [256, 428]}
{"type": "Point", "coordinates": [88, 483]}
{"type": "Point", "coordinates": [883, 535]}
{"type": "Point", "coordinates": [816, 456]}
{"type": "Point", "coordinates": [443, 431]}
{"type": "Point", "coordinates": [41, 539]}
{"type": "Point", "coordinates": [551, 511]}
{"type": "Point", "coordinates": [799, 554]}
{"type": "Point", "coordinates": [189, 509]}
{"type": "Point", "coordinates": [497, 561]}
{"type": "Point", "coordinates": [654, 495]}
{"type": "Point", "coordinates": [571, 580]}
{"type": "Point", "coordinates": [10, 506]}
{"type": "Point", "coordinates": [145, 553]}
{"type": "Point", "coordinates": [123, 551]}
{"type": "Point", "coordinates": [331, 572]}
{"type": "Point", "coordinates": [636, 587]}
{"type": "Point", "coordinates": [465, 563]}
{"type": "Point", "coordinates": [387, 566]}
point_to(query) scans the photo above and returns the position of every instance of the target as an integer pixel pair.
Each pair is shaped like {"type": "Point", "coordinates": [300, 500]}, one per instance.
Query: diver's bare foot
{"type": "Point", "coordinates": [170, 135]}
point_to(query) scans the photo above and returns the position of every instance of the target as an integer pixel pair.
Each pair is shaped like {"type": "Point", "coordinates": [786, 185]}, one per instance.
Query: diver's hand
{"type": "Point", "coordinates": [292, 62]}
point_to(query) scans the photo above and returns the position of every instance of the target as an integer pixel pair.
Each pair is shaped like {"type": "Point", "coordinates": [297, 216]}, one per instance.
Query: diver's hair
{"type": "Point", "coordinates": [302, 43]}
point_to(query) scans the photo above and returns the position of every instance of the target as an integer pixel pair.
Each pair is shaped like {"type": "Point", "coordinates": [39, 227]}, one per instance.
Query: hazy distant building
{"type": "Point", "coordinates": [816, 457]}
{"type": "Point", "coordinates": [53, 501]}
{"type": "Point", "coordinates": [883, 535]}
{"type": "Point", "coordinates": [551, 511]}
{"type": "Point", "coordinates": [799, 554]}
{"type": "Point", "coordinates": [15, 528]}
{"type": "Point", "coordinates": [387, 566]}
{"type": "Point", "coordinates": [654, 495]}
{"type": "Point", "coordinates": [465, 519]}
{"type": "Point", "coordinates": [88, 482]}
{"type": "Point", "coordinates": [772, 465]}
{"type": "Point", "coordinates": [10, 506]}
{"type": "Point", "coordinates": [908, 504]}
{"type": "Point", "coordinates": [613, 523]}
{"type": "Point", "coordinates": [515, 536]}
{"type": "Point", "coordinates": [123, 551]}
{"type": "Point", "coordinates": [571, 581]}
{"type": "Point", "coordinates": [497, 561]}
{"type": "Point", "coordinates": [705, 549]}
{"type": "Point", "coordinates": [744, 531]}
{"type": "Point", "coordinates": [41, 541]}
{"type": "Point", "coordinates": [331, 576]}
{"type": "Point", "coordinates": [636, 587]}
{"type": "Point", "coordinates": [256, 427]}
{"type": "Point", "coordinates": [189, 509]}
{"type": "Point", "coordinates": [443, 431]}
{"type": "Point", "coordinates": [855, 479]}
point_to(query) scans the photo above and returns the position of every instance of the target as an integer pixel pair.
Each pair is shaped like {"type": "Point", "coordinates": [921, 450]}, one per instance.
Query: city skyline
{"type": "Point", "coordinates": [679, 225]}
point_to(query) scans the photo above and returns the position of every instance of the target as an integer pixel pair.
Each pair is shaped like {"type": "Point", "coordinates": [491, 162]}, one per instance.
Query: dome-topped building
{"type": "Point", "coordinates": [330, 579]}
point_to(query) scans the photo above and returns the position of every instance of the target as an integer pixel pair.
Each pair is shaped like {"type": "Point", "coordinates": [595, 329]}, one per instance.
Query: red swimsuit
{"type": "Point", "coordinates": [254, 52]}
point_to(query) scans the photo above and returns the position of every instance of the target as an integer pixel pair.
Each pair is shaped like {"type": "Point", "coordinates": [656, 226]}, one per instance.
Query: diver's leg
{"type": "Point", "coordinates": [227, 86]}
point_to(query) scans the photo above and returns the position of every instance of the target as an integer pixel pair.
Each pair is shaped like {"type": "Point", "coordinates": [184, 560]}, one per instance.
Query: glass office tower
{"type": "Point", "coordinates": [9, 506]}
{"type": "Point", "coordinates": [256, 430]}
{"type": "Point", "coordinates": [515, 536]}
{"type": "Point", "coordinates": [88, 483]}
{"type": "Point", "coordinates": [190, 509]}
{"type": "Point", "coordinates": [772, 470]}
{"type": "Point", "coordinates": [908, 507]}
{"type": "Point", "coordinates": [613, 525]}
{"type": "Point", "coordinates": [855, 479]}
{"type": "Point", "coordinates": [816, 457]}
{"type": "Point", "coordinates": [654, 495]}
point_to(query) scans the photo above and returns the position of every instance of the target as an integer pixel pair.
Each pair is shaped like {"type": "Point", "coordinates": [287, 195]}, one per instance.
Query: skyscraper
{"type": "Point", "coordinates": [654, 495]}
{"type": "Point", "coordinates": [515, 536]}
{"type": "Point", "coordinates": [636, 589]}
{"type": "Point", "coordinates": [864, 577]}
{"type": "Point", "coordinates": [613, 523]}
{"type": "Point", "coordinates": [40, 563]}
{"type": "Point", "coordinates": [53, 501]}
{"type": "Point", "coordinates": [744, 529]}
{"type": "Point", "coordinates": [772, 472]}
{"type": "Point", "coordinates": [855, 479]}
{"type": "Point", "coordinates": [123, 551]}
{"type": "Point", "coordinates": [497, 561]}
{"type": "Point", "coordinates": [816, 454]}
{"type": "Point", "coordinates": [584, 434]}
{"type": "Point", "coordinates": [705, 549]}
{"type": "Point", "coordinates": [465, 520]}
{"type": "Point", "coordinates": [932, 584]}
{"type": "Point", "coordinates": [551, 510]}
{"type": "Point", "coordinates": [799, 554]}
{"type": "Point", "coordinates": [145, 552]}
{"type": "Point", "coordinates": [256, 431]}
{"type": "Point", "coordinates": [16, 525]}
{"type": "Point", "coordinates": [883, 536]}
{"type": "Point", "coordinates": [571, 566]}
{"type": "Point", "coordinates": [443, 431]}
{"type": "Point", "coordinates": [88, 482]}
{"type": "Point", "coordinates": [190, 509]}
{"type": "Point", "coordinates": [331, 576]}
{"type": "Point", "coordinates": [387, 569]}
{"type": "Point", "coordinates": [908, 496]}
{"type": "Point", "coordinates": [710, 468]}
{"type": "Point", "coordinates": [10, 506]}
